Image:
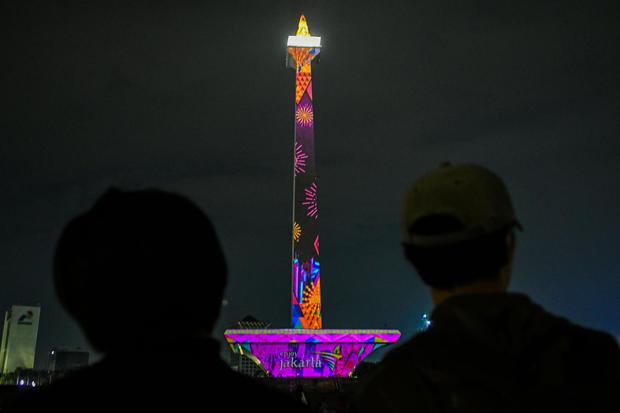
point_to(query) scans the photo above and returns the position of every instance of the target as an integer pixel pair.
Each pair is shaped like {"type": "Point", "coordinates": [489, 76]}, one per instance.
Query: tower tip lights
{"type": "Point", "coordinates": [303, 38]}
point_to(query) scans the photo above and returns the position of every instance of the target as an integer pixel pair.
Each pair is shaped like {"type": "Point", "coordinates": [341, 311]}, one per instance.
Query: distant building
{"type": "Point", "coordinates": [242, 363]}
{"type": "Point", "coordinates": [19, 338]}
{"type": "Point", "coordinates": [67, 360]}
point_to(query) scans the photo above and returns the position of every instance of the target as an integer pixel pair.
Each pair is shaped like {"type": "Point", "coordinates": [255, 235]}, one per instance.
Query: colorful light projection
{"type": "Point", "coordinates": [306, 350]}
{"type": "Point", "coordinates": [306, 296]}
{"type": "Point", "coordinates": [299, 162]}
{"type": "Point", "coordinates": [309, 353]}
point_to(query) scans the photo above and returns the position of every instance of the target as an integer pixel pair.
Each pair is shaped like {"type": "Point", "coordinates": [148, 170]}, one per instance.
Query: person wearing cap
{"type": "Point", "coordinates": [486, 349]}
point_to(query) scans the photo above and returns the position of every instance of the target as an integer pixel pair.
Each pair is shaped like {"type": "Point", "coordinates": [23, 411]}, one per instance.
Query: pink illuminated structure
{"type": "Point", "coordinates": [306, 350]}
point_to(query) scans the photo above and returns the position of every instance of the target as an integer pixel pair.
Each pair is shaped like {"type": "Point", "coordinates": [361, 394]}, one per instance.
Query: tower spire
{"type": "Point", "coordinates": [302, 27]}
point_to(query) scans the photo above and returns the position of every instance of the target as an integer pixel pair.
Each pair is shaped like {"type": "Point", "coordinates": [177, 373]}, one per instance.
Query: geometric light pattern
{"type": "Point", "coordinates": [311, 304]}
{"type": "Point", "coordinates": [306, 294]}
{"type": "Point", "coordinates": [304, 80]}
{"type": "Point", "coordinates": [316, 245]}
{"type": "Point", "coordinates": [308, 352]}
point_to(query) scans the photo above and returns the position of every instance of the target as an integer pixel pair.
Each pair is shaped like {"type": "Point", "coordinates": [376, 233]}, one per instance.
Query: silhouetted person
{"type": "Point", "coordinates": [486, 350]}
{"type": "Point", "coordinates": [143, 274]}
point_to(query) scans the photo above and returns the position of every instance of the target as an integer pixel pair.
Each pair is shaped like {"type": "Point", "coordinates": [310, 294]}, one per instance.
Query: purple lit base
{"type": "Point", "coordinates": [308, 353]}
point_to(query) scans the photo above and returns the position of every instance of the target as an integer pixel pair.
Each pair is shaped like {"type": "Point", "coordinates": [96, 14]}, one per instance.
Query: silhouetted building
{"type": "Point", "coordinates": [19, 338]}
{"type": "Point", "coordinates": [242, 363]}
{"type": "Point", "coordinates": [67, 360]}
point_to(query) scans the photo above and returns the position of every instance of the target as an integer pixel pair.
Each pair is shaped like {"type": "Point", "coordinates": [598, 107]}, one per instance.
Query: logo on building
{"type": "Point", "coordinates": [26, 319]}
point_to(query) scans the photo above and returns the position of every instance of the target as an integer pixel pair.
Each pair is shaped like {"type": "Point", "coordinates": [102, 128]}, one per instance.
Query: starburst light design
{"type": "Point", "coordinates": [304, 115]}
{"type": "Point", "coordinates": [296, 232]}
{"type": "Point", "coordinates": [311, 305]}
{"type": "Point", "coordinates": [311, 201]}
{"type": "Point", "coordinates": [300, 160]}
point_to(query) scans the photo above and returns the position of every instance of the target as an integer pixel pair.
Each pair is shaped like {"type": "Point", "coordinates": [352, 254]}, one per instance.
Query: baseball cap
{"type": "Point", "coordinates": [469, 201]}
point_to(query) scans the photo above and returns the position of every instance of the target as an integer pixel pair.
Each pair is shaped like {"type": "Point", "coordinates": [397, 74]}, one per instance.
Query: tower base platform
{"type": "Point", "coordinates": [308, 353]}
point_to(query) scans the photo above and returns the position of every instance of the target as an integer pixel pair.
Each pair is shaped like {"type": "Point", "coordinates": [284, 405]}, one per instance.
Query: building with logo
{"type": "Point", "coordinates": [19, 338]}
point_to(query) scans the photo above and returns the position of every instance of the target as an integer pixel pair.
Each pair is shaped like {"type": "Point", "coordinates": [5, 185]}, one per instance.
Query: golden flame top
{"type": "Point", "coordinates": [302, 29]}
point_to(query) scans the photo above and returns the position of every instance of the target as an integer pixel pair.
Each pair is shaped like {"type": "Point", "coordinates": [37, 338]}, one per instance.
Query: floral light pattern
{"type": "Point", "coordinates": [304, 115]}
{"type": "Point", "coordinates": [311, 201]}
{"type": "Point", "coordinates": [300, 160]}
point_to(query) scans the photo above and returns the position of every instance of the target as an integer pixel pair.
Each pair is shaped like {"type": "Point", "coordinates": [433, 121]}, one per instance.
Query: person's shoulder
{"type": "Point", "coordinates": [542, 327]}
{"type": "Point", "coordinates": [580, 337]}
{"type": "Point", "coordinates": [407, 362]}
{"type": "Point", "coordinates": [397, 384]}
{"type": "Point", "coordinates": [593, 349]}
{"type": "Point", "coordinates": [589, 357]}
{"type": "Point", "coordinates": [413, 351]}
{"type": "Point", "coordinates": [595, 339]}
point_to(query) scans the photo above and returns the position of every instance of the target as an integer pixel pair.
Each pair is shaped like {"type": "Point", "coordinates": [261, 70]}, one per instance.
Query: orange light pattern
{"type": "Point", "coordinates": [304, 115]}
{"type": "Point", "coordinates": [311, 306]}
{"type": "Point", "coordinates": [303, 82]}
{"type": "Point", "coordinates": [303, 57]}
{"type": "Point", "coordinates": [300, 54]}
{"type": "Point", "coordinates": [296, 232]}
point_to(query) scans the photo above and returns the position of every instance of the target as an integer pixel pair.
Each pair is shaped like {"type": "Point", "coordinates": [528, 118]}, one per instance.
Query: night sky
{"type": "Point", "coordinates": [194, 97]}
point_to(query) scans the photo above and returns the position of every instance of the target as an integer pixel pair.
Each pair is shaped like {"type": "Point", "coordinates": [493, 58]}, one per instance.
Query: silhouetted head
{"type": "Point", "coordinates": [458, 226]}
{"type": "Point", "coordinates": [140, 268]}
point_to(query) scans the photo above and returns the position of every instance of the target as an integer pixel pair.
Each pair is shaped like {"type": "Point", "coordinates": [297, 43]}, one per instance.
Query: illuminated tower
{"type": "Point", "coordinates": [306, 280]}
{"type": "Point", "coordinates": [307, 349]}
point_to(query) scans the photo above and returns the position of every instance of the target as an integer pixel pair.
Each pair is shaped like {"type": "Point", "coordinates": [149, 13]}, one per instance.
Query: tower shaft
{"type": "Point", "coordinates": [306, 269]}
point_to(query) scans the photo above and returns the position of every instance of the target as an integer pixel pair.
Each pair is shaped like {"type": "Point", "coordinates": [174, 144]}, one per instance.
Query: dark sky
{"type": "Point", "coordinates": [194, 97]}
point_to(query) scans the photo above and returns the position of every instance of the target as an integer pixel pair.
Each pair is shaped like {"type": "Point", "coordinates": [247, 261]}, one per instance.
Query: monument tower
{"type": "Point", "coordinates": [306, 349]}
{"type": "Point", "coordinates": [306, 281]}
